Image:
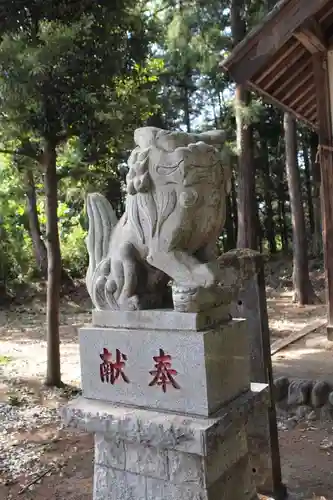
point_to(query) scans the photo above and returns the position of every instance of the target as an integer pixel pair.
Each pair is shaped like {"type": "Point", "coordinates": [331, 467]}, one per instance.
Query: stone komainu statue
{"type": "Point", "coordinates": [175, 211]}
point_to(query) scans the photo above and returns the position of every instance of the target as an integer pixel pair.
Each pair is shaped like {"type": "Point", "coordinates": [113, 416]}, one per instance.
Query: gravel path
{"type": "Point", "coordinates": [18, 454]}
{"type": "Point", "coordinates": [29, 416]}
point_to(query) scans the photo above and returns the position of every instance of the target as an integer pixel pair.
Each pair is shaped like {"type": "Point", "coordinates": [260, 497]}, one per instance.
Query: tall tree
{"type": "Point", "coordinates": [247, 235]}
{"type": "Point", "coordinates": [60, 70]}
{"type": "Point", "coordinates": [317, 239]}
{"type": "Point", "coordinates": [303, 291]}
{"type": "Point", "coordinates": [308, 186]}
{"type": "Point", "coordinates": [34, 225]}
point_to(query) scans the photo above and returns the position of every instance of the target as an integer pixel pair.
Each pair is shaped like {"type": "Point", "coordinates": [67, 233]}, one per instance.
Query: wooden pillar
{"type": "Point", "coordinates": [324, 115]}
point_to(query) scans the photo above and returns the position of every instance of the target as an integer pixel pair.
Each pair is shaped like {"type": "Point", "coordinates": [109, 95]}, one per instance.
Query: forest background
{"type": "Point", "coordinates": [76, 80]}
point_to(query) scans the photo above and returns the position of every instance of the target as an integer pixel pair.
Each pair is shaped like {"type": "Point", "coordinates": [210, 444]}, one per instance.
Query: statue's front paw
{"type": "Point", "coordinates": [204, 276]}
{"type": "Point", "coordinates": [130, 303]}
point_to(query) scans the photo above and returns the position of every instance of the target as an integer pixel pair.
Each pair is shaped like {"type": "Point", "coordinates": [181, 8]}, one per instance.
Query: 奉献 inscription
{"type": "Point", "coordinates": [164, 373]}
{"type": "Point", "coordinates": [111, 371]}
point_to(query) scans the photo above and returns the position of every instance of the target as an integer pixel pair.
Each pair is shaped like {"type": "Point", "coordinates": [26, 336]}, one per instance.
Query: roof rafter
{"type": "Point", "coordinates": [275, 30]}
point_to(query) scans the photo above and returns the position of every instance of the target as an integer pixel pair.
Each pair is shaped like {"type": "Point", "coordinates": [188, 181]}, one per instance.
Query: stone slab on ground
{"type": "Point", "coordinates": [194, 372]}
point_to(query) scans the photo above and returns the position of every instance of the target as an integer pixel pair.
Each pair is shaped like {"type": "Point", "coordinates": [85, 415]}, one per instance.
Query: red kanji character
{"type": "Point", "coordinates": [163, 374]}
{"type": "Point", "coordinates": [110, 371]}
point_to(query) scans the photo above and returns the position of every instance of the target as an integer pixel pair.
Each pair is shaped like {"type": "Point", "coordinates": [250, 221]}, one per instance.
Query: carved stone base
{"type": "Point", "coordinates": [141, 361]}
{"type": "Point", "coordinates": [149, 455]}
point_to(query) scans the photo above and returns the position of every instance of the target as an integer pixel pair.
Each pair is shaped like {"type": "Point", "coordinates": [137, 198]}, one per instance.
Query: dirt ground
{"type": "Point", "coordinates": [61, 466]}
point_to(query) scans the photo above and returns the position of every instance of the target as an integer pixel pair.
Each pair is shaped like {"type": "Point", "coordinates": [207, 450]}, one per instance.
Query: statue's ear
{"type": "Point", "coordinates": [144, 137]}
{"type": "Point", "coordinates": [213, 137]}
{"type": "Point", "coordinates": [171, 140]}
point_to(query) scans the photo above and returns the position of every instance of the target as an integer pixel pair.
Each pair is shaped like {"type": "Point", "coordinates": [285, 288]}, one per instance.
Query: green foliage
{"type": "Point", "coordinates": [61, 79]}
{"type": "Point", "coordinates": [72, 238]}
{"type": "Point", "coordinates": [76, 75]}
{"type": "Point", "coordinates": [74, 252]}
{"type": "Point", "coordinates": [85, 75]}
{"type": "Point", "coordinates": [16, 257]}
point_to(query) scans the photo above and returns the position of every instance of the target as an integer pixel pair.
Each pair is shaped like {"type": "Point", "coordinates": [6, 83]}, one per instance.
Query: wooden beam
{"type": "Point", "coordinates": [311, 37]}
{"type": "Point", "coordinates": [310, 99]}
{"type": "Point", "coordinates": [294, 336]}
{"type": "Point", "coordinates": [313, 118]}
{"type": "Point", "coordinates": [327, 13]}
{"type": "Point", "coordinates": [280, 104]}
{"type": "Point", "coordinates": [298, 76]}
{"type": "Point", "coordinates": [285, 54]}
{"type": "Point", "coordinates": [300, 83]}
{"type": "Point", "coordinates": [326, 165]}
{"type": "Point", "coordinates": [309, 88]}
{"type": "Point", "coordinates": [310, 42]}
{"type": "Point", "coordinates": [310, 111]}
{"type": "Point", "coordinates": [259, 47]}
{"type": "Point", "coordinates": [284, 67]}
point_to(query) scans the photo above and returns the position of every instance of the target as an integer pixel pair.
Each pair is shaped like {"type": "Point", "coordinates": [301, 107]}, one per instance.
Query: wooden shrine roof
{"type": "Point", "coordinates": [275, 58]}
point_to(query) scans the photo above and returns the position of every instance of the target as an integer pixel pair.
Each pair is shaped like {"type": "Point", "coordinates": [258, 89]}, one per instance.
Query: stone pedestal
{"type": "Point", "coordinates": [142, 454]}
{"type": "Point", "coordinates": [169, 407]}
{"type": "Point", "coordinates": [207, 367]}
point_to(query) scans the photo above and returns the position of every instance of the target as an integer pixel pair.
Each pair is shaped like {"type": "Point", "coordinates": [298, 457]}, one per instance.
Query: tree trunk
{"type": "Point", "coordinates": [34, 226]}
{"type": "Point", "coordinates": [187, 117]}
{"type": "Point", "coordinates": [259, 231]}
{"type": "Point", "coordinates": [53, 375]}
{"type": "Point", "coordinates": [38, 244]}
{"type": "Point", "coordinates": [234, 210]}
{"type": "Point", "coordinates": [269, 224]}
{"type": "Point", "coordinates": [308, 187]}
{"type": "Point", "coordinates": [317, 239]}
{"type": "Point", "coordinates": [246, 236]}
{"type": "Point", "coordinates": [303, 291]}
{"type": "Point", "coordinates": [283, 228]}
{"type": "Point", "coordinates": [229, 227]}
{"type": "Point", "coordinates": [269, 213]}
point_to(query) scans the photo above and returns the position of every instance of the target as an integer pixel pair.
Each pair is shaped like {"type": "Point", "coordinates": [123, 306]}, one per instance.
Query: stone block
{"type": "Point", "coordinates": [163, 455]}
{"type": "Point", "coordinates": [186, 468]}
{"type": "Point", "coordinates": [146, 460]}
{"type": "Point", "coordinates": [280, 389]}
{"type": "Point", "coordinates": [320, 393]}
{"type": "Point", "coordinates": [187, 371]}
{"type": "Point", "coordinates": [109, 452]}
{"type": "Point", "coordinates": [299, 392]}
{"type": "Point", "coordinates": [164, 490]}
{"type": "Point", "coordinates": [226, 452]}
{"type": "Point", "coordinates": [228, 449]}
{"type": "Point", "coordinates": [112, 484]}
{"type": "Point", "coordinates": [263, 447]}
{"type": "Point", "coordinates": [169, 431]}
{"type": "Point", "coordinates": [161, 319]}
{"type": "Point", "coordinates": [235, 483]}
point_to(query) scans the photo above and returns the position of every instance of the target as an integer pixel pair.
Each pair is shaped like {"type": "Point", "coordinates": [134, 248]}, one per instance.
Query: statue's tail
{"type": "Point", "coordinates": [102, 220]}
